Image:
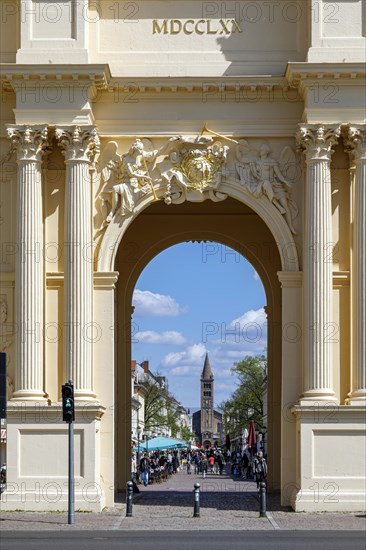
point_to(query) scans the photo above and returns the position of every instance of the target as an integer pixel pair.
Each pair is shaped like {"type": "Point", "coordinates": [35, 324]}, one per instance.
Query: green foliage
{"type": "Point", "coordinates": [160, 407]}
{"type": "Point", "coordinates": [186, 433]}
{"type": "Point", "coordinates": [154, 404]}
{"type": "Point", "coordinates": [246, 403]}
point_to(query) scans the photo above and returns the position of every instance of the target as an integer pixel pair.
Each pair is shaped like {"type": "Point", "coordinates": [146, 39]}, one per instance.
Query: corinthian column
{"type": "Point", "coordinates": [357, 147]}
{"type": "Point", "coordinates": [29, 143]}
{"type": "Point", "coordinates": [317, 142]}
{"type": "Point", "coordinates": [79, 146]}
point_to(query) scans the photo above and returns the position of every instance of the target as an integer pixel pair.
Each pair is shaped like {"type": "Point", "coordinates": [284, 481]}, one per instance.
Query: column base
{"type": "Point", "coordinates": [322, 396]}
{"type": "Point", "coordinates": [357, 398]}
{"type": "Point", "coordinates": [84, 395]}
{"type": "Point", "coordinates": [29, 395]}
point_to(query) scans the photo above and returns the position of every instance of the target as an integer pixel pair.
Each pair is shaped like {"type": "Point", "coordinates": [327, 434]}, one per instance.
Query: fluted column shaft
{"type": "Point", "coordinates": [79, 145]}
{"type": "Point", "coordinates": [317, 142]}
{"type": "Point", "coordinates": [357, 147]}
{"type": "Point", "coordinates": [29, 143]}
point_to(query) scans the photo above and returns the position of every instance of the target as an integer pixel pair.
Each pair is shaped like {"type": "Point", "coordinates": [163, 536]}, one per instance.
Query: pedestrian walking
{"type": "Point", "coordinates": [220, 463]}
{"type": "Point", "coordinates": [197, 463]}
{"type": "Point", "coordinates": [260, 468]}
{"type": "Point", "coordinates": [144, 469]}
{"type": "Point", "coordinates": [245, 464]}
{"type": "Point", "coordinates": [133, 466]}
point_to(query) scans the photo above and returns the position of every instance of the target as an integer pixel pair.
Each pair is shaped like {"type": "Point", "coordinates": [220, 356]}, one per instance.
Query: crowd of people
{"type": "Point", "coordinates": [159, 465]}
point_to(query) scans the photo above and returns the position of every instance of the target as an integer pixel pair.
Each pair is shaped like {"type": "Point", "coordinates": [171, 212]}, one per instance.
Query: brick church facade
{"type": "Point", "coordinates": [207, 422]}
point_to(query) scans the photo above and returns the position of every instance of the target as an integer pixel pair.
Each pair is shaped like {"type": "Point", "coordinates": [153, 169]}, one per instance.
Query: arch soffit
{"type": "Point", "coordinates": [189, 235]}
{"type": "Point", "coordinates": [275, 222]}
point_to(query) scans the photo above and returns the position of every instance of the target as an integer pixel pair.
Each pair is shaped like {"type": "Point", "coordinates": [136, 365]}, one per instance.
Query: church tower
{"type": "Point", "coordinates": [207, 403]}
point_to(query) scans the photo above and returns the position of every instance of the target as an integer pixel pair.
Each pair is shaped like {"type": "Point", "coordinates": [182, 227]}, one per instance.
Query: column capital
{"type": "Point", "coordinates": [355, 141]}
{"type": "Point", "coordinates": [78, 143]}
{"type": "Point", "coordinates": [317, 140]}
{"type": "Point", "coordinates": [29, 142]}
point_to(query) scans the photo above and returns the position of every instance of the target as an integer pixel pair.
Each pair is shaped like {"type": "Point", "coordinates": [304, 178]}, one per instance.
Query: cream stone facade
{"type": "Point", "coordinates": [128, 127]}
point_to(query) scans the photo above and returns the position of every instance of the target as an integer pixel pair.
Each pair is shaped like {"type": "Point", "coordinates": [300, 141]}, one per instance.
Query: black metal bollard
{"type": "Point", "coordinates": [262, 499]}
{"type": "Point", "coordinates": [196, 510]}
{"type": "Point", "coordinates": [129, 492]}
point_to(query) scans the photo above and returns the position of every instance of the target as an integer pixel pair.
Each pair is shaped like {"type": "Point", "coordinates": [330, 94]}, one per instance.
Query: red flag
{"type": "Point", "coordinates": [252, 438]}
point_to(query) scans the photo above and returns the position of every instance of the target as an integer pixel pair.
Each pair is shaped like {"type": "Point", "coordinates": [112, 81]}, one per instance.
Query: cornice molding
{"type": "Point", "coordinates": [298, 74]}
{"type": "Point", "coordinates": [235, 89]}
{"type": "Point", "coordinates": [305, 76]}
{"type": "Point", "coordinates": [13, 75]}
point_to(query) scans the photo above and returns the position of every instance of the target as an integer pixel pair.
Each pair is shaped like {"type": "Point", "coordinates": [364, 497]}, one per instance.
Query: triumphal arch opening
{"type": "Point", "coordinates": [128, 127]}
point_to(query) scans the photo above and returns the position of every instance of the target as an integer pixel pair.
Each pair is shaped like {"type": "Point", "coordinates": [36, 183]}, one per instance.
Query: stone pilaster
{"type": "Point", "coordinates": [79, 146]}
{"type": "Point", "coordinates": [356, 145]}
{"type": "Point", "coordinates": [29, 143]}
{"type": "Point", "coordinates": [317, 142]}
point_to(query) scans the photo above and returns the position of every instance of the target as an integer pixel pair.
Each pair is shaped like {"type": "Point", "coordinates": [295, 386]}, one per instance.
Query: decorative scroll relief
{"type": "Point", "coordinates": [191, 169]}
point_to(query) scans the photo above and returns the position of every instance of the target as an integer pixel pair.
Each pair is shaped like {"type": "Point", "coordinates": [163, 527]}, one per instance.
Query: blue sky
{"type": "Point", "coordinates": [193, 298]}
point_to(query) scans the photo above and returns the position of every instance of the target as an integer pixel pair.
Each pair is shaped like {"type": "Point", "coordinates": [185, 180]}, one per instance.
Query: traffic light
{"type": "Point", "coordinates": [68, 411]}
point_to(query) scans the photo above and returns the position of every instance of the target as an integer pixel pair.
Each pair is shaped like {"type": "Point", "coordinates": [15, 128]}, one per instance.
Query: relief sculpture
{"type": "Point", "coordinates": [192, 168]}
{"type": "Point", "coordinates": [263, 175]}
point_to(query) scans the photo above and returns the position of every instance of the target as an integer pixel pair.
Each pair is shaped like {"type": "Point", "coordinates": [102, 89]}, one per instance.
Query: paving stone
{"type": "Point", "coordinates": [226, 504]}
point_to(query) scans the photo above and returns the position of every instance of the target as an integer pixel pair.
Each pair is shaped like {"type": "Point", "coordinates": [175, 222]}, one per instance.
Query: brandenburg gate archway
{"type": "Point", "coordinates": [125, 133]}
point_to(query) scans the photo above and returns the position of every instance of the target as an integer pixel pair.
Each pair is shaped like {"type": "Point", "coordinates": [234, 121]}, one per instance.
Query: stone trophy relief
{"type": "Point", "coordinates": [191, 168]}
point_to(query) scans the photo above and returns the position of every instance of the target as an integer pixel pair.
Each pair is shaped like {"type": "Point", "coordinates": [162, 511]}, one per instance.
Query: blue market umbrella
{"type": "Point", "coordinates": [161, 443]}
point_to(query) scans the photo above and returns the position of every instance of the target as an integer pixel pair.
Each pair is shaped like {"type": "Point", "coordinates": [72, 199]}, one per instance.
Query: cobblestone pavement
{"type": "Point", "coordinates": [226, 504]}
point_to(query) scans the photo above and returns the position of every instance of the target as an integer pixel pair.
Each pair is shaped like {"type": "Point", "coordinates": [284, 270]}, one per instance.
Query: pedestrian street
{"type": "Point", "coordinates": [226, 503]}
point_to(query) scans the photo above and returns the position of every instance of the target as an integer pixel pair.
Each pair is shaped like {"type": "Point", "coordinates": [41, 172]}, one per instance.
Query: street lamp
{"type": "Point", "coordinates": [138, 442]}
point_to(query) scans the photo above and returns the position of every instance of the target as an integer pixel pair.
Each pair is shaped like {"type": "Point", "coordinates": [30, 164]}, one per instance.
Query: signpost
{"type": "Point", "coordinates": [68, 415]}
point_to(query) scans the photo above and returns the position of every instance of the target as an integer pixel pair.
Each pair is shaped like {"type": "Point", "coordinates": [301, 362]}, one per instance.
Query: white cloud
{"type": "Point", "coordinates": [148, 303]}
{"type": "Point", "coordinates": [193, 356]}
{"type": "Point", "coordinates": [173, 358]}
{"type": "Point", "coordinates": [168, 337]}
{"type": "Point", "coordinates": [251, 317]}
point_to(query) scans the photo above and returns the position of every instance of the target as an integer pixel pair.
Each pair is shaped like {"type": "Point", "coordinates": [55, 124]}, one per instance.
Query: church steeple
{"type": "Point", "coordinates": [207, 400]}
{"type": "Point", "coordinates": [207, 372]}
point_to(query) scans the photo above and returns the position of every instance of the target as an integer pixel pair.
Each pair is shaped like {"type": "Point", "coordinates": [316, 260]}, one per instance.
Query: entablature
{"type": "Point", "coordinates": [332, 92]}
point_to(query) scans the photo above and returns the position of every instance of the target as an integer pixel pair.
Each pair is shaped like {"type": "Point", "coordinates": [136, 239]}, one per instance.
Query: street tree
{"type": "Point", "coordinates": [246, 402]}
